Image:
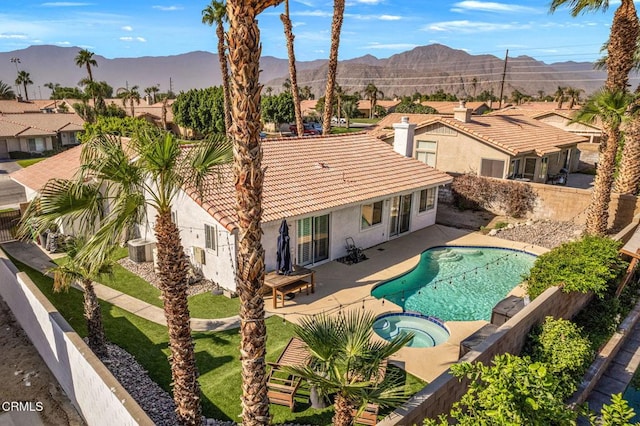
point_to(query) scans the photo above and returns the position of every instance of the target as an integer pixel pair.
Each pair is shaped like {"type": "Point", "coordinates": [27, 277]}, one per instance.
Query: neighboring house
{"type": "Point", "coordinates": [364, 106]}
{"type": "Point", "coordinates": [384, 127]}
{"type": "Point", "coordinates": [445, 107]}
{"type": "Point", "coordinates": [500, 146]}
{"type": "Point", "coordinates": [327, 188]}
{"type": "Point", "coordinates": [36, 133]}
{"type": "Point", "coordinates": [560, 118]}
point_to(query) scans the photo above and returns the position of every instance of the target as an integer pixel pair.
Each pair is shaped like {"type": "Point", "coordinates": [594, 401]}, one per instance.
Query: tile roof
{"type": "Point", "coordinates": [40, 124]}
{"type": "Point", "coordinates": [61, 166]}
{"type": "Point", "coordinates": [385, 126]}
{"type": "Point", "coordinates": [446, 107]}
{"type": "Point", "coordinates": [310, 174]}
{"type": "Point", "coordinates": [366, 104]}
{"type": "Point", "coordinates": [15, 107]}
{"type": "Point", "coordinates": [514, 134]}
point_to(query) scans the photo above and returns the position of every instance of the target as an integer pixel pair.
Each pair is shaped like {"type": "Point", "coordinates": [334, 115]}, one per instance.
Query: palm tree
{"type": "Point", "coordinates": [609, 108]}
{"type": "Point", "coordinates": [154, 92]}
{"type": "Point", "coordinates": [216, 13]}
{"type": "Point", "coordinates": [84, 58]}
{"type": "Point", "coordinates": [25, 79]}
{"type": "Point", "coordinates": [6, 92]}
{"type": "Point", "coordinates": [149, 182]}
{"type": "Point", "coordinates": [350, 109]}
{"type": "Point", "coordinates": [621, 49]}
{"type": "Point", "coordinates": [244, 58]}
{"type": "Point", "coordinates": [345, 361]}
{"type": "Point", "coordinates": [131, 95]}
{"type": "Point", "coordinates": [559, 96]}
{"type": "Point", "coordinates": [371, 92]}
{"type": "Point", "coordinates": [574, 96]}
{"type": "Point", "coordinates": [627, 180]}
{"type": "Point", "coordinates": [293, 78]}
{"type": "Point", "coordinates": [332, 67]}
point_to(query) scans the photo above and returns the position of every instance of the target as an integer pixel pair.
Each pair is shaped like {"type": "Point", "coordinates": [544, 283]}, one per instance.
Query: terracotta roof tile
{"type": "Point", "coordinates": [306, 175]}
{"type": "Point", "coordinates": [61, 166]}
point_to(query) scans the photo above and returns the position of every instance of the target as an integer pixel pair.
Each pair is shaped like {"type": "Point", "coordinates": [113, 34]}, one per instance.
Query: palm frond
{"type": "Point", "coordinates": [205, 158]}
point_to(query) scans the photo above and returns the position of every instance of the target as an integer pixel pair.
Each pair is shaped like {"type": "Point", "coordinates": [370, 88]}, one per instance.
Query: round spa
{"type": "Point", "coordinates": [428, 331]}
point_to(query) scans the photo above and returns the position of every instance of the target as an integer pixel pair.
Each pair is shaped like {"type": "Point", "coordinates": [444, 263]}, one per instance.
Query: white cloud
{"type": "Point", "coordinates": [126, 38]}
{"type": "Point", "coordinates": [373, 17]}
{"type": "Point", "coordinates": [64, 4]}
{"type": "Point", "coordinates": [488, 6]}
{"type": "Point", "coordinates": [13, 36]}
{"type": "Point", "coordinates": [316, 13]}
{"type": "Point", "coordinates": [141, 39]}
{"type": "Point", "coordinates": [167, 8]}
{"type": "Point", "coordinates": [127, 28]}
{"type": "Point", "coordinates": [389, 18]}
{"type": "Point", "coordinates": [469, 27]}
{"type": "Point", "coordinates": [63, 43]}
{"type": "Point", "coordinates": [305, 2]}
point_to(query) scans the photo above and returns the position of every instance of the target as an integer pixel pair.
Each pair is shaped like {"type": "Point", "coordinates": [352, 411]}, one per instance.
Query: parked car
{"type": "Point", "coordinates": [318, 127]}
{"type": "Point", "coordinates": [309, 129]}
{"type": "Point", "coordinates": [334, 120]}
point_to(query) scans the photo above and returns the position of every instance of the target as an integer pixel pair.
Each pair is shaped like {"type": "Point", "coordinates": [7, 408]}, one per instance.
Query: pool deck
{"type": "Point", "coordinates": [339, 285]}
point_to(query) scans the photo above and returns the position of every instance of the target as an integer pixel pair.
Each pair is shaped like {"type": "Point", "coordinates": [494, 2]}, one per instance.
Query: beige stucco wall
{"type": "Point", "coordinates": [22, 144]}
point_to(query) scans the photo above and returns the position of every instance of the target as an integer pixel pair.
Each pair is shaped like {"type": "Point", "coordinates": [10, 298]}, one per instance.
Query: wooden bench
{"type": "Point", "coordinates": [369, 416]}
{"type": "Point", "coordinates": [282, 386]}
{"type": "Point", "coordinates": [296, 286]}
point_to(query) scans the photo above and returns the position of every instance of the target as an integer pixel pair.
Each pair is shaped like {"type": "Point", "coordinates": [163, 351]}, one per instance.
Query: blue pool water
{"type": "Point", "coordinates": [632, 395]}
{"type": "Point", "coordinates": [457, 283]}
{"type": "Point", "coordinates": [428, 332]}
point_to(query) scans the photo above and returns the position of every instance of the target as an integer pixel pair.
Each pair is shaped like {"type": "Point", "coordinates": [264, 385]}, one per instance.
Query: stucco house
{"type": "Point", "coordinates": [499, 146]}
{"type": "Point", "coordinates": [328, 188]}
{"type": "Point", "coordinates": [36, 133]}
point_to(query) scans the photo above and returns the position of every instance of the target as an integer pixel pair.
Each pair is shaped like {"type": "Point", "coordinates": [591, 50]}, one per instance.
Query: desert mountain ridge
{"type": "Point", "coordinates": [424, 69]}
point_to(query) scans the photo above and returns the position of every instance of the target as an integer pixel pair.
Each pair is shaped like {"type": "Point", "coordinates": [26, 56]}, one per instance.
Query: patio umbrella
{"type": "Point", "coordinates": [283, 251]}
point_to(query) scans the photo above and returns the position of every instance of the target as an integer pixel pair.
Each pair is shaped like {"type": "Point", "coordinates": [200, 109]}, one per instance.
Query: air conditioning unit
{"type": "Point", "coordinates": [141, 250]}
{"type": "Point", "coordinates": [199, 255]}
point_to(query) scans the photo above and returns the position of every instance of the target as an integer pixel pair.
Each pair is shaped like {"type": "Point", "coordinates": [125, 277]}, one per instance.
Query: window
{"type": "Point", "coordinates": [426, 152]}
{"type": "Point", "coordinates": [427, 199]}
{"type": "Point", "coordinates": [210, 237]}
{"type": "Point", "coordinates": [36, 145]}
{"type": "Point", "coordinates": [371, 214]}
{"type": "Point", "coordinates": [492, 168]}
{"type": "Point", "coordinates": [514, 169]}
{"type": "Point", "coordinates": [544, 167]}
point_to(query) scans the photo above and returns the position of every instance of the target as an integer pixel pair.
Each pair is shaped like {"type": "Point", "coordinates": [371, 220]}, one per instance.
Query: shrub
{"type": "Point", "coordinates": [567, 353]}
{"type": "Point", "coordinates": [476, 192]}
{"type": "Point", "coordinates": [585, 265]}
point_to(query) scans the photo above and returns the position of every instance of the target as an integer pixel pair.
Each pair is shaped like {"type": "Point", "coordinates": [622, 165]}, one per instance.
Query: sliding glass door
{"type": "Point", "coordinates": [313, 239]}
{"type": "Point", "coordinates": [400, 214]}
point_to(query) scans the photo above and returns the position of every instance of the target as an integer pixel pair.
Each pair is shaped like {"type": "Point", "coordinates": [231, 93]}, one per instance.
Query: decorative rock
{"type": "Point", "coordinates": [545, 233]}
{"type": "Point", "coordinates": [510, 226]}
{"type": "Point", "coordinates": [493, 232]}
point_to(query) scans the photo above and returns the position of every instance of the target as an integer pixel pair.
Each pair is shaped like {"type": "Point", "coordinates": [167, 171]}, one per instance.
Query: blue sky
{"type": "Point", "coordinates": [382, 28]}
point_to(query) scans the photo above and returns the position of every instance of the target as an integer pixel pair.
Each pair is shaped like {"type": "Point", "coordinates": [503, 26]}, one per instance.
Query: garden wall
{"type": "Point", "coordinates": [439, 396]}
{"type": "Point", "coordinates": [97, 395]}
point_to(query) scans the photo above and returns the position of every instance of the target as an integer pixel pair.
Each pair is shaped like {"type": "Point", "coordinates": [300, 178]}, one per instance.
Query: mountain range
{"type": "Point", "coordinates": [424, 69]}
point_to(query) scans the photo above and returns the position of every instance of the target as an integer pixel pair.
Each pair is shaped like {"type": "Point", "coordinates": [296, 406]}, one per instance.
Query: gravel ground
{"type": "Point", "coordinates": [544, 233]}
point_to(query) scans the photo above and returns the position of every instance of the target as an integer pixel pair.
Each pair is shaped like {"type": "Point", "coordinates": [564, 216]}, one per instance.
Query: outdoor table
{"type": "Point", "coordinates": [300, 278]}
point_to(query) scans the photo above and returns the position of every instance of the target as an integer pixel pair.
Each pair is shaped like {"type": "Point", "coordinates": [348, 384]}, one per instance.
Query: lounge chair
{"type": "Point", "coordinates": [354, 253]}
{"type": "Point", "coordinates": [282, 386]}
{"type": "Point", "coordinates": [370, 414]}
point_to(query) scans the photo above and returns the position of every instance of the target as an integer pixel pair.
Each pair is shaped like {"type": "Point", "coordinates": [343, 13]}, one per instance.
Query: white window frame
{"type": "Point", "coordinates": [364, 227]}
{"type": "Point", "coordinates": [427, 194]}
{"type": "Point", "coordinates": [210, 237]}
{"type": "Point", "coordinates": [427, 151]}
{"type": "Point", "coordinates": [35, 142]}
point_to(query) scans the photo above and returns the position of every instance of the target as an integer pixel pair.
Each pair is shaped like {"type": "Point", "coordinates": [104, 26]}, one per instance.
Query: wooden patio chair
{"type": "Point", "coordinates": [282, 386]}
{"type": "Point", "coordinates": [370, 414]}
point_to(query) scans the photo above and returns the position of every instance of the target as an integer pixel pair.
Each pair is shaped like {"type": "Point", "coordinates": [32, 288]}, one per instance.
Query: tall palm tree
{"type": "Point", "coordinates": [293, 76]}
{"type": "Point", "coordinates": [146, 175]}
{"type": "Point", "coordinates": [345, 361]}
{"type": "Point", "coordinates": [627, 180]}
{"type": "Point", "coordinates": [371, 92]}
{"type": "Point", "coordinates": [560, 96]}
{"type": "Point", "coordinates": [610, 108]}
{"type": "Point", "coordinates": [84, 58]}
{"type": "Point", "coordinates": [130, 95]}
{"type": "Point", "coordinates": [25, 79]}
{"type": "Point", "coordinates": [332, 67]}
{"type": "Point", "coordinates": [6, 92]}
{"type": "Point", "coordinates": [244, 58]}
{"type": "Point", "coordinates": [216, 13]}
{"type": "Point", "coordinates": [349, 109]}
{"type": "Point", "coordinates": [574, 96]}
{"type": "Point", "coordinates": [621, 48]}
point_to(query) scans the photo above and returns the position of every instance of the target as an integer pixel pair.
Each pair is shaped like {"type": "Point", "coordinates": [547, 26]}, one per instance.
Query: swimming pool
{"type": "Point", "coordinates": [457, 283]}
{"type": "Point", "coordinates": [428, 331]}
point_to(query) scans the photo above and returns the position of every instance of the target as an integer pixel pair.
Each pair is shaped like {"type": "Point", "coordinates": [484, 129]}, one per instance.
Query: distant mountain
{"type": "Point", "coordinates": [423, 69]}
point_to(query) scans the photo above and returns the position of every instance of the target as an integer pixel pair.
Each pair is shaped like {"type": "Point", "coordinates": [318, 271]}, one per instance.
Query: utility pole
{"type": "Point", "coordinates": [504, 74]}
{"type": "Point", "coordinates": [16, 61]}
{"type": "Point", "coordinates": [170, 87]}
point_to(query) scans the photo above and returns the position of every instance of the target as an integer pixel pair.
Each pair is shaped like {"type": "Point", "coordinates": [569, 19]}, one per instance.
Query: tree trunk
{"type": "Point", "coordinates": [93, 315]}
{"type": "Point", "coordinates": [343, 415]}
{"type": "Point", "coordinates": [226, 90]}
{"type": "Point", "coordinates": [336, 26]}
{"type": "Point", "coordinates": [244, 58]}
{"type": "Point", "coordinates": [172, 265]}
{"type": "Point", "coordinates": [288, 32]}
{"type": "Point", "coordinates": [598, 210]}
{"type": "Point", "coordinates": [628, 177]}
{"type": "Point", "coordinates": [620, 59]}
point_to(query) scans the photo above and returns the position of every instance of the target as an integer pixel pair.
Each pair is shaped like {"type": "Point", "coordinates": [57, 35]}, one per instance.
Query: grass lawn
{"type": "Point", "coordinates": [29, 161]}
{"type": "Point", "coordinates": [217, 354]}
{"type": "Point", "coordinates": [365, 120]}
{"type": "Point", "coordinates": [341, 130]}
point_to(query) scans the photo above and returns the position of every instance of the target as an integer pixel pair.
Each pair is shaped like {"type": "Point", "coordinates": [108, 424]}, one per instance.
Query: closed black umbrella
{"type": "Point", "coordinates": [283, 252]}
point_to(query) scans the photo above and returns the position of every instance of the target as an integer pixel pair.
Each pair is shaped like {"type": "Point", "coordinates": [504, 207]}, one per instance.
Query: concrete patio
{"type": "Point", "coordinates": [349, 287]}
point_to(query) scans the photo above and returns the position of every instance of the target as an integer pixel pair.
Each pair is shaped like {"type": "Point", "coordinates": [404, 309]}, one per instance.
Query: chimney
{"type": "Point", "coordinates": [403, 137]}
{"type": "Point", "coordinates": [462, 113]}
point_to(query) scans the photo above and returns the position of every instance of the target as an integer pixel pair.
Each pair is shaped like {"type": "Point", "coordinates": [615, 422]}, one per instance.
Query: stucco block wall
{"type": "Point", "coordinates": [438, 397]}
{"type": "Point", "coordinates": [97, 395]}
